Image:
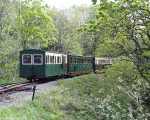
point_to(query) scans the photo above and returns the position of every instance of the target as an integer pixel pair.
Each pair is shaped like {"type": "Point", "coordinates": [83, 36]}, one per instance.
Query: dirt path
{"type": "Point", "coordinates": [18, 98]}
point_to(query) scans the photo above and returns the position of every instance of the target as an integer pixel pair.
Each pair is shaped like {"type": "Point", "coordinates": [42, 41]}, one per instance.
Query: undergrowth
{"type": "Point", "coordinates": [88, 97]}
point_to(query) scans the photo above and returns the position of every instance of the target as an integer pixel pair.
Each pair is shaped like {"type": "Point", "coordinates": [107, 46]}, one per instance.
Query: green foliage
{"type": "Point", "coordinates": [94, 1]}
{"type": "Point", "coordinates": [9, 42]}
{"type": "Point", "coordinates": [122, 70]}
{"type": "Point", "coordinates": [35, 111]}
{"type": "Point", "coordinates": [127, 79]}
{"type": "Point", "coordinates": [146, 53]}
{"type": "Point", "coordinates": [123, 31]}
{"type": "Point", "coordinates": [67, 24]}
{"type": "Point", "coordinates": [86, 97]}
{"type": "Point", "coordinates": [23, 24]}
{"type": "Point", "coordinates": [35, 25]}
{"type": "Point", "coordinates": [123, 28]}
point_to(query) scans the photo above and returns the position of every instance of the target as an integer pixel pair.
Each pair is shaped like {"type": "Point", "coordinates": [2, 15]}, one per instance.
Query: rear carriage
{"type": "Point", "coordinates": [102, 62]}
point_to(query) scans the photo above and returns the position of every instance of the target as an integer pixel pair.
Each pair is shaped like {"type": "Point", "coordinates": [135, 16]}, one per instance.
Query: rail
{"type": "Point", "coordinates": [13, 87]}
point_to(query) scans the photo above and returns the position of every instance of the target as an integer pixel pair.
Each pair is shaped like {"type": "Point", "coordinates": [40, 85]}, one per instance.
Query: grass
{"type": "Point", "coordinates": [87, 97]}
{"type": "Point", "coordinates": [8, 81]}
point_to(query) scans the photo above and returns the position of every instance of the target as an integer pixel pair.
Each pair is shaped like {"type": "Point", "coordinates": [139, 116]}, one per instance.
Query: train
{"type": "Point", "coordinates": [41, 64]}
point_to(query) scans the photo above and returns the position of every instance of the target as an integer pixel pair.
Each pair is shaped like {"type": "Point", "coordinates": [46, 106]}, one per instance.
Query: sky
{"type": "Point", "coordinates": [64, 4]}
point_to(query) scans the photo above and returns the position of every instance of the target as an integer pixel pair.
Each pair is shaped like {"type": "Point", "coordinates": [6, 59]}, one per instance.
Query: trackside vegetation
{"type": "Point", "coordinates": [87, 97]}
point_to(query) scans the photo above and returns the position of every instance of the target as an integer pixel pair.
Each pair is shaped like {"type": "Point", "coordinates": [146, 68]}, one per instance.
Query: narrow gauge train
{"type": "Point", "coordinates": [39, 64]}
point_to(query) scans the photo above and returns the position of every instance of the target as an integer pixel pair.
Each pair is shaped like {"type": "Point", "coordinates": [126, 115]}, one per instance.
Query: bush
{"type": "Point", "coordinates": [88, 97]}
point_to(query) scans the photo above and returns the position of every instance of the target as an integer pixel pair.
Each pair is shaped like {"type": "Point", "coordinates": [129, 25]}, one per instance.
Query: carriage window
{"type": "Point", "coordinates": [86, 61]}
{"type": "Point", "coordinates": [89, 61]}
{"type": "Point", "coordinates": [38, 59]}
{"type": "Point", "coordinates": [64, 59]}
{"type": "Point", "coordinates": [97, 62]}
{"type": "Point", "coordinates": [51, 59]}
{"type": "Point", "coordinates": [81, 60]}
{"type": "Point", "coordinates": [55, 60]}
{"type": "Point", "coordinates": [75, 61]}
{"type": "Point", "coordinates": [26, 59]}
{"type": "Point", "coordinates": [72, 60]}
{"type": "Point", "coordinates": [58, 60]}
{"type": "Point", "coordinates": [46, 59]}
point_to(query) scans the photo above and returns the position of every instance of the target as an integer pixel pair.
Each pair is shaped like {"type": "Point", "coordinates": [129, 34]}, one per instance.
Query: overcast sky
{"type": "Point", "coordinates": [63, 4]}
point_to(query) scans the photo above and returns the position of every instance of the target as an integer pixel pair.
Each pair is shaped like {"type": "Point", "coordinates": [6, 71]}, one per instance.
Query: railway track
{"type": "Point", "coordinates": [24, 86]}
{"type": "Point", "coordinates": [13, 87]}
{"type": "Point", "coordinates": [10, 88]}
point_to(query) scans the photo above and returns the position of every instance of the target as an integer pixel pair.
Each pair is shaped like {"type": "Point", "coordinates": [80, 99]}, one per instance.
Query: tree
{"type": "Point", "coordinates": [23, 24]}
{"type": "Point", "coordinates": [67, 23]}
{"type": "Point", "coordinates": [124, 27]}
{"type": "Point", "coordinates": [9, 41]}
{"type": "Point", "coordinates": [35, 25]}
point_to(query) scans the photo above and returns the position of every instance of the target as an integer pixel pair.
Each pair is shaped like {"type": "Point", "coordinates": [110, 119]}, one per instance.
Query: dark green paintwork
{"type": "Point", "coordinates": [55, 69]}
{"type": "Point", "coordinates": [28, 71]}
{"type": "Point", "coordinates": [80, 67]}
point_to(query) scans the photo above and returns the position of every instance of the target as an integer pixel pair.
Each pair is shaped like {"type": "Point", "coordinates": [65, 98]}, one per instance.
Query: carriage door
{"type": "Point", "coordinates": [26, 67]}
{"type": "Point", "coordinates": [37, 65]}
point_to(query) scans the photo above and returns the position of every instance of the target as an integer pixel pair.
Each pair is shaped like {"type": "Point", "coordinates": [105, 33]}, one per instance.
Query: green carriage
{"type": "Point", "coordinates": [79, 64]}
{"type": "Point", "coordinates": [36, 63]}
